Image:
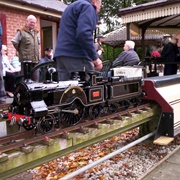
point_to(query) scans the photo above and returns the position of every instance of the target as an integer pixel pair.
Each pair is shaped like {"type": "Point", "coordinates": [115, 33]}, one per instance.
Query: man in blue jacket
{"type": "Point", "coordinates": [75, 49]}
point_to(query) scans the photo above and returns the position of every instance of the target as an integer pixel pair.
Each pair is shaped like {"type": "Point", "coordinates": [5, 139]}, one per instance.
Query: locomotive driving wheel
{"type": "Point", "coordinates": [94, 111]}
{"type": "Point", "coordinates": [113, 108]}
{"type": "Point", "coordinates": [136, 102]}
{"type": "Point", "coordinates": [28, 126]}
{"type": "Point", "coordinates": [72, 114]}
{"type": "Point", "coordinates": [126, 104]}
{"type": "Point", "coordinates": [46, 124]}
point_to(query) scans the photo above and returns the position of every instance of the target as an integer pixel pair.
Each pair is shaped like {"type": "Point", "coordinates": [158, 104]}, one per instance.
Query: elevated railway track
{"type": "Point", "coordinates": [26, 153]}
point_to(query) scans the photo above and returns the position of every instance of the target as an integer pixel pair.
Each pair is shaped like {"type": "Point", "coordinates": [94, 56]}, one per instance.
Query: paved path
{"type": "Point", "coordinates": [168, 170]}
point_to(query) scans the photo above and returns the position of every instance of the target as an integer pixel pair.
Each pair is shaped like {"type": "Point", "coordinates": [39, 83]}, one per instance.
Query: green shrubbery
{"type": "Point", "coordinates": [112, 53]}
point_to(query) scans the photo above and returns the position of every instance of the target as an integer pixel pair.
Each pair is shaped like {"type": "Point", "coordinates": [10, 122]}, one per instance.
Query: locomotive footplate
{"type": "Point", "coordinates": [165, 91]}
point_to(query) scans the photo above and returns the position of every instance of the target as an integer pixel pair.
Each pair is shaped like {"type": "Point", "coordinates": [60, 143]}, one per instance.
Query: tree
{"type": "Point", "coordinates": [110, 10]}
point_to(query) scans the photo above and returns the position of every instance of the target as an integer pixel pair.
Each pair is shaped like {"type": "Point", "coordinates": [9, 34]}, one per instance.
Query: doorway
{"type": "Point", "coordinates": [48, 35]}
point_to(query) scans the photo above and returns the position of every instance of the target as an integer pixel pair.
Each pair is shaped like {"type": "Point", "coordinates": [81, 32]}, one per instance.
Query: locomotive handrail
{"type": "Point", "coordinates": [49, 63]}
{"type": "Point", "coordinates": [45, 64]}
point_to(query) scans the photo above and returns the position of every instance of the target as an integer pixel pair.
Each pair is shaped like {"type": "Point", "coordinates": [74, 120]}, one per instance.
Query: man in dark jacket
{"type": "Point", "coordinates": [26, 42]}
{"type": "Point", "coordinates": [128, 57]}
{"type": "Point", "coordinates": [75, 49]}
{"type": "Point", "coordinates": [170, 51]}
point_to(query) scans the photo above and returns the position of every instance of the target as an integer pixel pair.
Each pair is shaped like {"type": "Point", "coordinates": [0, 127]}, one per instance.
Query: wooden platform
{"type": "Point", "coordinates": [163, 140]}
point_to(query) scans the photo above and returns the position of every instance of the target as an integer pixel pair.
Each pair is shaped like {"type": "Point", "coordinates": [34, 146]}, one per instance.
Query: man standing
{"type": "Point", "coordinates": [98, 46]}
{"type": "Point", "coordinates": [26, 42]}
{"type": "Point", "coordinates": [75, 49]}
{"type": "Point", "coordinates": [170, 51]}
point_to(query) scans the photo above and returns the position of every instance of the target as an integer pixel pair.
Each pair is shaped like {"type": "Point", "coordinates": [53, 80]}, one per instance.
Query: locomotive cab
{"type": "Point", "coordinates": [124, 86]}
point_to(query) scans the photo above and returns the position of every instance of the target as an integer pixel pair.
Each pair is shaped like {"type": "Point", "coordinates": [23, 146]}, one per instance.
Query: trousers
{"type": "Point", "coordinates": [67, 65]}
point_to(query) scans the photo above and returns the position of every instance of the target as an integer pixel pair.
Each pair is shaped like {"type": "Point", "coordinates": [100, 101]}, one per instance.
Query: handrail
{"type": "Point", "coordinates": [49, 63]}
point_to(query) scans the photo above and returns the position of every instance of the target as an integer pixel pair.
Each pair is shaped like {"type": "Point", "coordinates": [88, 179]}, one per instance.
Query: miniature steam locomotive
{"type": "Point", "coordinates": [65, 103]}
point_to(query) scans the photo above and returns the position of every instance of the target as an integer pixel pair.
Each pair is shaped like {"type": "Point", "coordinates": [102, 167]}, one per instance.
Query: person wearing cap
{"type": "Point", "coordinates": [47, 58]}
{"type": "Point", "coordinates": [128, 57]}
{"type": "Point", "coordinates": [98, 46]}
{"type": "Point", "coordinates": [75, 49]}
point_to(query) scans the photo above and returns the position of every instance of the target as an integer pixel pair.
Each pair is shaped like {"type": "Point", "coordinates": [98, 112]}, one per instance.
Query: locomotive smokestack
{"type": "Point", "coordinates": [27, 71]}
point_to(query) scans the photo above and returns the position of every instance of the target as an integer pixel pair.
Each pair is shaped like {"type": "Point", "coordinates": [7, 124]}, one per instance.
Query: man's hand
{"type": "Point", "coordinates": [98, 64]}
{"type": "Point", "coordinates": [102, 50]}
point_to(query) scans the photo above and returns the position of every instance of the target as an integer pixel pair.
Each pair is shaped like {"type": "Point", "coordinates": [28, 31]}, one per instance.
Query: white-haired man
{"type": "Point", "coordinates": [26, 42]}
{"type": "Point", "coordinates": [128, 57]}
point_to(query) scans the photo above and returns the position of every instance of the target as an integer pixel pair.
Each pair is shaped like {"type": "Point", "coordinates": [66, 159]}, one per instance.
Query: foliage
{"type": "Point", "coordinates": [109, 11]}
{"type": "Point", "coordinates": [111, 53]}
{"type": "Point", "coordinates": [69, 163]}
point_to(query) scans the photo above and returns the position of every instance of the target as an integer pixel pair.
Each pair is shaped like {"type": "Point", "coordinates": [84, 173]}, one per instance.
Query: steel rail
{"type": "Point", "coordinates": [64, 131]}
{"type": "Point", "coordinates": [60, 153]}
{"type": "Point", "coordinates": [16, 136]}
{"type": "Point", "coordinates": [73, 148]}
{"type": "Point", "coordinates": [83, 169]}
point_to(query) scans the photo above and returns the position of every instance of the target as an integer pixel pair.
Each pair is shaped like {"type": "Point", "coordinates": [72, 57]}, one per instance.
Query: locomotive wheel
{"type": "Point", "coordinates": [69, 118]}
{"type": "Point", "coordinates": [28, 126]}
{"type": "Point", "coordinates": [126, 104]}
{"type": "Point", "coordinates": [113, 108]}
{"type": "Point", "coordinates": [94, 111]}
{"type": "Point", "coordinates": [46, 124]}
{"type": "Point", "coordinates": [136, 102]}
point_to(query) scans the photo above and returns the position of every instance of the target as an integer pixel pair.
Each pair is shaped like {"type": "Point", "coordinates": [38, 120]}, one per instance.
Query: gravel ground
{"type": "Point", "coordinates": [129, 165]}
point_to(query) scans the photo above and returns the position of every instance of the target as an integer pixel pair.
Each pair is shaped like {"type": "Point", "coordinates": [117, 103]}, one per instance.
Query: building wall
{"type": "Point", "coordinates": [15, 19]}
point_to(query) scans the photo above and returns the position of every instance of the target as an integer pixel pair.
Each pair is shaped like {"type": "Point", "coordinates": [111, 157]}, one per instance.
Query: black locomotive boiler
{"type": "Point", "coordinates": [46, 105]}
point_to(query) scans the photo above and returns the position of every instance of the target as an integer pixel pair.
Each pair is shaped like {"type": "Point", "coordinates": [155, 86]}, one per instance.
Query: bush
{"type": "Point", "coordinates": [111, 53]}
